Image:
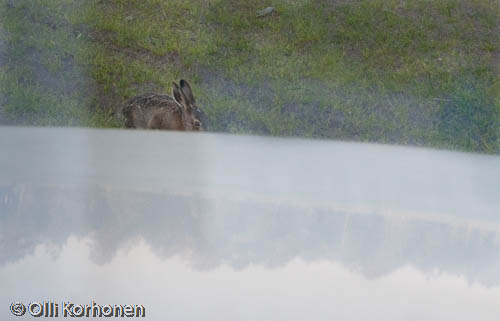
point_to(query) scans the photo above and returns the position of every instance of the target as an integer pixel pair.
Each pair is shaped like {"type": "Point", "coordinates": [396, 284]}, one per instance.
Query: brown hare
{"type": "Point", "coordinates": [160, 111]}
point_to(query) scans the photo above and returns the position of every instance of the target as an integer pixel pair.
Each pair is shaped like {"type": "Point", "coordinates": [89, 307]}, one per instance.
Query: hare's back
{"type": "Point", "coordinates": [140, 111]}
{"type": "Point", "coordinates": [151, 100]}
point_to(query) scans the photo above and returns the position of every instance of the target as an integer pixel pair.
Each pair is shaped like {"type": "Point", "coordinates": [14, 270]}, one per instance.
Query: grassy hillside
{"type": "Point", "coordinates": [415, 72]}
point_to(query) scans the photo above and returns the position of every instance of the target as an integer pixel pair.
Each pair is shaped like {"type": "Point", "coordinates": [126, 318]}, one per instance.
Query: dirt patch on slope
{"type": "Point", "coordinates": [3, 62]}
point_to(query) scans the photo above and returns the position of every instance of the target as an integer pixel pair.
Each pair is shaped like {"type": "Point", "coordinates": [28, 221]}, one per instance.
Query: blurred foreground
{"type": "Point", "coordinates": [231, 224]}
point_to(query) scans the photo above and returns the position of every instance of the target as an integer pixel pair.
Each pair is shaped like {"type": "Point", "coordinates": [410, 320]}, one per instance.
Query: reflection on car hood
{"type": "Point", "coordinates": [253, 214]}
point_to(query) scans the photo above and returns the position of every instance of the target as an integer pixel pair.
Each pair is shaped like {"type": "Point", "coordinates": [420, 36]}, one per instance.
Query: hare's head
{"type": "Point", "coordinates": [192, 115]}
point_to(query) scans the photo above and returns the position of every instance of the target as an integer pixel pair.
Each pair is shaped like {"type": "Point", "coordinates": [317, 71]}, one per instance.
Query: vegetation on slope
{"type": "Point", "coordinates": [415, 72]}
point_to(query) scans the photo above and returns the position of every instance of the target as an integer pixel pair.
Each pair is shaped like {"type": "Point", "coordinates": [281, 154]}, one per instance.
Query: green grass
{"type": "Point", "coordinates": [45, 81]}
{"type": "Point", "coordinates": [407, 72]}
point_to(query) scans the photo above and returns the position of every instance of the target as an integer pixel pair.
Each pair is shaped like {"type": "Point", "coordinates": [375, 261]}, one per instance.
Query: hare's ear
{"type": "Point", "coordinates": [176, 92]}
{"type": "Point", "coordinates": [188, 93]}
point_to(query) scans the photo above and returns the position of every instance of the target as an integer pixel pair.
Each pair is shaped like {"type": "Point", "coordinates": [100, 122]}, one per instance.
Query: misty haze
{"type": "Point", "coordinates": [251, 160]}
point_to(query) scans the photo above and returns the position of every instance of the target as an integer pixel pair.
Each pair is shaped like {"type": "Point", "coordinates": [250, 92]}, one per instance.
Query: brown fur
{"type": "Point", "coordinates": [160, 111]}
